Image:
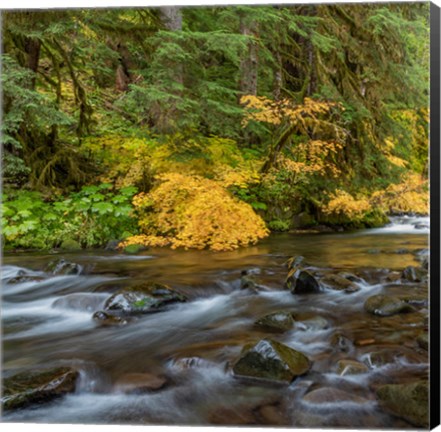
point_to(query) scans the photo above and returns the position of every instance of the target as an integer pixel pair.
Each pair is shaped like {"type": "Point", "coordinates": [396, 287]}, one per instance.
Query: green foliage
{"type": "Point", "coordinates": [90, 217]}
{"type": "Point", "coordinates": [278, 225]}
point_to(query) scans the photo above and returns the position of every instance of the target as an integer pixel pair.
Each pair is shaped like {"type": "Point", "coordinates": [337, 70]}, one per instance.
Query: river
{"type": "Point", "coordinates": [48, 321]}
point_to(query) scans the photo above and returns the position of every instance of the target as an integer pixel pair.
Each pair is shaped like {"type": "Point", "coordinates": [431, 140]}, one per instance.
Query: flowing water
{"type": "Point", "coordinates": [47, 320]}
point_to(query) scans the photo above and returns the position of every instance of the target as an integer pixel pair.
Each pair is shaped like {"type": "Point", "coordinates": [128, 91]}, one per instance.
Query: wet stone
{"type": "Point", "coordinates": [278, 321]}
{"type": "Point", "coordinates": [63, 267]}
{"type": "Point", "coordinates": [137, 383]}
{"type": "Point", "coordinates": [407, 401]}
{"type": "Point", "coordinates": [381, 358]}
{"type": "Point", "coordinates": [384, 305]}
{"type": "Point", "coordinates": [143, 298]}
{"type": "Point", "coordinates": [106, 319]}
{"type": "Point", "coordinates": [37, 386]}
{"type": "Point", "coordinates": [339, 283]}
{"type": "Point", "coordinates": [302, 282]}
{"type": "Point", "coordinates": [271, 360]}
{"type": "Point", "coordinates": [351, 367]}
{"type": "Point", "coordinates": [325, 395]}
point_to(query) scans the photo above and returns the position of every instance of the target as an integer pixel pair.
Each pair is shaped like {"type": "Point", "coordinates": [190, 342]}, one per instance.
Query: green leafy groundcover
{"type": "Point", "coordinates": [88, 218]}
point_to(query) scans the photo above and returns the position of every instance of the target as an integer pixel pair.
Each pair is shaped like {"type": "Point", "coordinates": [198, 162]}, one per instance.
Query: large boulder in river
{"type": "Point", "coordinates": [302, 282]}
{"type": "Point", "coordinates": [278, 322]}
{"type": "Point", "coordinates": [384, 305]}
{"type": "Point", "coordinates": [408, 401]}
{"type": "Point", "coordinates": [143, 298]}
{"type": "Point", "coordinates": [271, 360]}
{"type": "Point", "coordinates": [35, 387]}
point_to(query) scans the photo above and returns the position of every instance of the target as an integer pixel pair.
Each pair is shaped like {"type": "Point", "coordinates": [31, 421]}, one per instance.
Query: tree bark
{"type": "Point", "coordinates": [249, 64]}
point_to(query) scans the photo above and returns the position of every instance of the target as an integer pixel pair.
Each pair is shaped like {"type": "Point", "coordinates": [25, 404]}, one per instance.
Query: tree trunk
{"type": "Point", "coordinates": [32, 48]}
{"type": "Point", "coordinates": [249, 64]}
{"type": "Point", "coordinates": [171, 17]}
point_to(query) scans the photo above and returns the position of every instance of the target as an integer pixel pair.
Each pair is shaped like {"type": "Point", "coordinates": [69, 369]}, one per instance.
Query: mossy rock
{"type": "Point", "coordinates": [278, 322]}
{"type": "Point", "coordinates": [70, 245]}
{"type": "Point", "coordinates": [143, 298]}
{"type": "Point", "coordinates": [407, 401]}
{"type": "Point", "coordinates": [384, 305]}
{"type": "Point", "coordinates": [271, 360]}
{"type": "Point", "coordinates": [134, 249]}
{"type": "Point", "coordinates": [39, 386]}
{"type": "Point", "coordinates": [303, 220]}
{"type": "Point", "coordinates": [375, 219]}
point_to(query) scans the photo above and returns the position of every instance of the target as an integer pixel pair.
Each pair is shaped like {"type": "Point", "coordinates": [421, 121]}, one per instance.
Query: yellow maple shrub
{"type": "Point", "coordinates": [194, 212]}
{"type": "Point", "coordinates": [345, 205]}
{"type": "Point", "coordinates": [409, 196]}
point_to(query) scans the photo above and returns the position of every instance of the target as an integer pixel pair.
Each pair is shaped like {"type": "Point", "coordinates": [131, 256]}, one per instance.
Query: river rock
{"type": "Point", "coordinates": [325, 395]}
{"type": "Point", "coordinates": [248, 282]}
{"type": "Point", "coordinates": [278, 321]}
{"type": "Point", "coordinates": [341, 343]}
{"type": "Point", "coordinates": [107, 319]}
{"type": "Point", "coordinates": [137, 383]}
{"type": "Point", "coordinates": [38, 386]}
{"type": "Point", "coordinates": [295, 262]}
{"type": "Point", "coordinates": [143, 298]}
{"type": "Point", "coordinates": [339, 283]}
{"type": "Point", "coordinates": [408, 401]}
{"type": "Point", "coordinates": [351, 367]}
{"type": "Point", "coordinates": [413, 274]}
{"type": "Point", "coordinates": [302, 282]}
{"type": "Point", "coordinates": [271, 360]}
{"type": "Point", "coordinates": [380, 358]}
{"type": "Point", "coordinates": [314, 323]}
{"type": "Point", "coordinates": [63, 267]}
{"type": "Point", "coordinates": [423, 340]}
{"type": "Point", "coordinates": [384, 305]}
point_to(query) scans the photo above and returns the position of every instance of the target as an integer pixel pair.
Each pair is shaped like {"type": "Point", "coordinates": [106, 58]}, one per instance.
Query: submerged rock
{"type": "Point", "coordinates": [339, 283]}
{"type": "Point", "coordinates": [278, 321]}
{"type": "Point", "coordinates": [38, 386]}
{"type": "Point", "coordinates": [351, 367]}
{"type": "Point", "coordinates": [143, 298]}
{"type": "Point", "coordinates": [302, 282]}
{"type": "Point", "coordinates": [384, 305]}
{"type": "Point", "coordinates": [137, 383]}
{"type": "Point", "coordinates": [325, 395]}
{"type": "Point", "coordinates": [271, 360]}
{"type": "Point", "coordinates": [63, 267]}
{"type": "Point", "coordinates": [80, 301]}
{"type": "Point", "coordinates": [407, 401]}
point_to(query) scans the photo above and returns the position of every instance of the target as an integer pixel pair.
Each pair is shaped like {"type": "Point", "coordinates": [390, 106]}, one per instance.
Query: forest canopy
{"type": "Point", "coordinates": [118, 121]}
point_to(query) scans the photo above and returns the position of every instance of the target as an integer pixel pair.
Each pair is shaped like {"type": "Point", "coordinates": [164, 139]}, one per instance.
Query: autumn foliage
{"type": "Point", "coordinates": [195, 212]}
